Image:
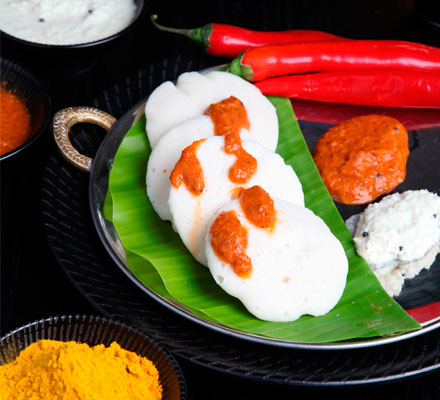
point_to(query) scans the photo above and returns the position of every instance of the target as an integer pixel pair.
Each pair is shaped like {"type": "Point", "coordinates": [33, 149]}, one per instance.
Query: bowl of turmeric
{"type": "Point", "coordinates": [86, 357]}
{"type": "Point", "coordinates": [25, 108]}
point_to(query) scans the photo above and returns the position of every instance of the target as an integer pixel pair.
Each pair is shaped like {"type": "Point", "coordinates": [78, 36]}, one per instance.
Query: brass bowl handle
{"type": "Point", "coordinates": [63, 121]}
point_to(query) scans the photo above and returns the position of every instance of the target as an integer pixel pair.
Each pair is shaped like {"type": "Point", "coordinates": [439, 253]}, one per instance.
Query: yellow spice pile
{"type": "Point", "coordinates": [52, 370]}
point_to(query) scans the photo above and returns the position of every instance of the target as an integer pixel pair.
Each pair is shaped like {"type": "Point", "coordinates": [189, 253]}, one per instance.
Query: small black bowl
{"type": "Point", "coordinates": [140, 11]}
{"type": "Point", "coordinates": [33, 93]}
{"type": "Point", "coordinates": [93, 331]}
{"type": "Point", "coordinates": [73, 72]}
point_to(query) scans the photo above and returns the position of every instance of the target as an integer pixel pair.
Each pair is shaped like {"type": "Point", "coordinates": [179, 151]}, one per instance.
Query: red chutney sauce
{"type": "Point", "coordinates": [229, 117]}
{"type": "Point", "coordinates": [15, 121]}
{"type": "Point", "coordinates": [362, 158]}
{"type": "Point", "coordinates": [258, 207]}
{"type": "Point", "coordinates": [229, 238]}
{"type": "Point", "coordinates": [229, 241]}
{"type": "Point", "coordinates": [188, 170]}
{"type": "Point", "coordinates": [245, 165]}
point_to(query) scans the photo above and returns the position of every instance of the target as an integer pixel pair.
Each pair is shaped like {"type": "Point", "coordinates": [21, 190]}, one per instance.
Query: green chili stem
{"type": "Point", "coordinates": [167, 29]}
{"type": "Point", "coordinates": [198, 35]}
{"type": "Point", "coordinates": [237, 68]}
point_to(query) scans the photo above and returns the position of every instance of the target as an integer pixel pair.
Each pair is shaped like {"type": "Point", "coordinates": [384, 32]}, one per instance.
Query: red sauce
{"type": "Point", "coordinates": [362, 158]}
{"type": "Point", "coordinates": [258, 207]}
{"type": "Point", "coordinates": [228, 116]}
{"type": "Point", "coordinates": [245, 165]}
{"type": "Point", "coordinates": [229, 242]}
{"type": "Point", "coordinates": [15, 121]}
{"type": "Point", "coordinates": [229, 238]}
{"type": "Point", "coordinates": [188, 170]}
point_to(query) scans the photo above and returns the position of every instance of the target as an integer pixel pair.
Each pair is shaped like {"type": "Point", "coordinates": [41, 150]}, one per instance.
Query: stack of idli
{"type": "Point", "coordinates": [298, 266]}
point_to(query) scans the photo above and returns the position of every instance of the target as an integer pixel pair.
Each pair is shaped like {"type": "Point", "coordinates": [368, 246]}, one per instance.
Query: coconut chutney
{"type": "Point", "coordinates": [65, 22]}
{"type": "Point", "coordinates": [399, 236]}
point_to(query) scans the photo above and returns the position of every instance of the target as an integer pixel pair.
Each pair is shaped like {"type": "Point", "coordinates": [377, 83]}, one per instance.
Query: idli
{"type": "Point", "coordinates": [165, 155]}
{"type": "Point", "coordinates": [297, 267]}
{"type": "Point", "coordinates": [169, 104]}
{"type": "Point", "coordinates": [192, 209]}
{"type": "Point", "coordinates": [224, 117]}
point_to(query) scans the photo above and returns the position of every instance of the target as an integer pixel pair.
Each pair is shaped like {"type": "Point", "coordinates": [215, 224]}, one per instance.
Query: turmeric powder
{"type": "Point", "coordinates": [54, 370]}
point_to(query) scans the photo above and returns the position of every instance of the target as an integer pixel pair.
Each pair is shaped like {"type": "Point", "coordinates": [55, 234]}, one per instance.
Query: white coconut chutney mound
{"type": "Point", "coordinates": [65, 22]}
{"type": "Point", "coordinates": [399, 236]}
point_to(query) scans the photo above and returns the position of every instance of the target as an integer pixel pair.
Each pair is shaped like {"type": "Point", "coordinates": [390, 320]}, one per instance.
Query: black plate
{"type": "Point", "coordinates": [76, 245]}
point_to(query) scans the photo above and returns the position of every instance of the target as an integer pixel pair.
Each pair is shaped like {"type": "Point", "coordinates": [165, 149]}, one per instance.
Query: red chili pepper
{"type": "Point", "coordinates": [389, 88]}
{"type": "Point", "coordinates": [276, 60]}
{"type": "Point", "coordinates": [229, 41]}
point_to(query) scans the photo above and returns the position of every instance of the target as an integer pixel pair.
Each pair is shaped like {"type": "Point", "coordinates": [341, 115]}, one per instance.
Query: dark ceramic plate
{"type": "Point", "coordinates": [79, 251]}
{"type": "Point", "coordinates": [34, 94]}
{"type": "Point", "coordinates": [93, 331]}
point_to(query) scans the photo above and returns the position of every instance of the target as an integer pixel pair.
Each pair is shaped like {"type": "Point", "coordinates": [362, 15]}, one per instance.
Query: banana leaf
{"type": "Point", "coordinates": [160, 261]}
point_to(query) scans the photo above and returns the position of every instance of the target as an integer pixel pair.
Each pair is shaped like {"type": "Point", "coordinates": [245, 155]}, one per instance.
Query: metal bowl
{"type": "Point", "coordinates": [93, 331]}
{"type": "Point", "coordinates": [34, 94]}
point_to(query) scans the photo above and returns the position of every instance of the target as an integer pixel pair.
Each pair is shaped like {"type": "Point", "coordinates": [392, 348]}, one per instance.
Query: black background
{"type": "Point", "coordinates": [32, 284]}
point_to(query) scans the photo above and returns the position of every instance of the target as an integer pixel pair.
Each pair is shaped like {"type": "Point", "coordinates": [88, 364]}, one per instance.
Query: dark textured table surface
{"type": "Point", "coordinates": [33, 285]}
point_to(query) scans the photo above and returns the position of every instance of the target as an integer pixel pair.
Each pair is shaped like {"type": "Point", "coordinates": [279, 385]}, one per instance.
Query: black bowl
{"type": "Point", "coordinates": [93, 331]}
{"type": "Point", "coordinates": [35, 95]}
{"type": "Point", "coordinates": [73, 72]}
{"type": "Point", "coordinates": [140, 10]}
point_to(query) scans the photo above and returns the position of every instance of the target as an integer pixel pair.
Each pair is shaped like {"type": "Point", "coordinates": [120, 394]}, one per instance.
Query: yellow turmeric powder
{"type": "Point", "coordinates": [50, 370]}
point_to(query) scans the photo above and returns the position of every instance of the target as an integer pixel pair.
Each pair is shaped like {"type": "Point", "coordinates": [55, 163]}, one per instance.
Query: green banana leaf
{"type": "Point", "coordinates": [158, 258]}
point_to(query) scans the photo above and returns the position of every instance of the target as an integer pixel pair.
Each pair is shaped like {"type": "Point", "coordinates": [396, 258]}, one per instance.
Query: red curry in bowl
{"type": "Point", "coordinates": [15, 121]}
{"type": "Point", "coordinates": [25, 108]}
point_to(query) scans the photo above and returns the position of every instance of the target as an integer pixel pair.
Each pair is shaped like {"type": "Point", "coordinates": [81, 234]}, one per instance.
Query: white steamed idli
{"type": "Point", "coordinates": [165, 155]}
{"type": "Point", "coordinates": [299, 267]}
{"type": "Point", "coordinates": [171, 104]}
{"type": "Point", "coordinates": [191, 214]}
